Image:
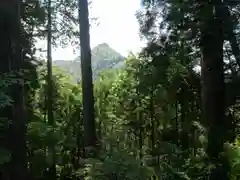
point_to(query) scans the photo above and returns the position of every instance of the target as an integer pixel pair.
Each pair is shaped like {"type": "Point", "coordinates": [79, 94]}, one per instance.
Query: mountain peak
{"type": "Point", "coordinates": [103, 57]}
{"type": "Point", "coordinates": [104, 52]}
{"type": "Point", "coordinates": [103, 45]}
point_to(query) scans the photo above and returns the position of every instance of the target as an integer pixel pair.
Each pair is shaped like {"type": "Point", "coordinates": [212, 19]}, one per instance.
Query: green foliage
{"type": "Point", "coordinates": [147, 112]}
{"type": "Point", "coordinates": [7, 81]}
{"type": "Point", "coordinates": [116, 165]}
{"type": "Point", "coordinates": [233, 152]}
{"type": "Point", "coordinates": [5, 156]}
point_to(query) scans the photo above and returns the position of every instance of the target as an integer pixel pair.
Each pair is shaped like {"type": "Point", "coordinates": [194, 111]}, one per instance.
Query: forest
{"type": "Point", "coordinates": [169, 112]}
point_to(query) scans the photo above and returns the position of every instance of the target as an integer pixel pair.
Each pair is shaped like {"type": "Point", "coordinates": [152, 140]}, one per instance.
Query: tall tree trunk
{"type": "Point", "coordinates": [12, 61]}
{"type": "Point", "coordinates": [176, 137]}
{"type": "Point", "coordinates": [18, 127]}
{"type": "Point", "coordinates": [152, 120]}
{"type": "Point", "coordinates": [213, 87]}
{"type": "Point", "coordinates": [52, 169]}
{"type": "Point", "coordinates": [140, 120]}
{"type": "Point", "coordinates": [87, 82]}
{"type": "Point", "coordinates": [184, 140]}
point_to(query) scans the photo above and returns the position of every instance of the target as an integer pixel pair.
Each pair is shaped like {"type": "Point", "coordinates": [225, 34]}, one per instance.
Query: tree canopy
{"type": "Point", "coordinates": [103, 116]}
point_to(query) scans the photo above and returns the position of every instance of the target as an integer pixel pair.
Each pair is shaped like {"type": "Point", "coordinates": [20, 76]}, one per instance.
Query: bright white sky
{"type": "Point", "coordinates": [118, 27]}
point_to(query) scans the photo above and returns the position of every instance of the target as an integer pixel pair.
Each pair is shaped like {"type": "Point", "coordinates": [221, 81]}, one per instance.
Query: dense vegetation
{"type": "Point", "coordinates": [155, 117]}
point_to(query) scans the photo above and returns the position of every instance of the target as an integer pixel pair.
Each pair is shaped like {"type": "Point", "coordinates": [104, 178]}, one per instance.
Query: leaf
{"type": "Point", "coordinates": [5, 156]}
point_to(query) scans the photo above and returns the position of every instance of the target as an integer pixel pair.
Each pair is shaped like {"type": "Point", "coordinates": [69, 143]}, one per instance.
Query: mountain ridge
{"type": "Point", "coordinates": [103, 57]}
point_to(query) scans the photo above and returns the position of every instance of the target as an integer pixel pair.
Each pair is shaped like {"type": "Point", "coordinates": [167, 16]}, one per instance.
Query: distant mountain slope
{"type": "Point", "coordinates": [103, 57]}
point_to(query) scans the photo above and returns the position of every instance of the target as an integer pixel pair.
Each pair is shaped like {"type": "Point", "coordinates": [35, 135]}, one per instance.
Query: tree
{"type": "Point", "coordinates": [51, 121]}
{"type": "Point", "coordinates": [213, 90]}
{"type": "Point", "coordinates": [12, 62]}
{"type": "Point", "coordinates": [87, 82]}
{"type": "Point", "coordinates": [193, 23]}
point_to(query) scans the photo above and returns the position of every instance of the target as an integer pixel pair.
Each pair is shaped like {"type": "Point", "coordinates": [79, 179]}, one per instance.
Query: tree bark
{"type": "Point", "coordinates": [87, 82]}
{"type": "Point", "coordinates": [12, 62]}
{"type": "Point", "coordinates": [51, 121]}
{"type": "Point", "coordinates": [213, 109]}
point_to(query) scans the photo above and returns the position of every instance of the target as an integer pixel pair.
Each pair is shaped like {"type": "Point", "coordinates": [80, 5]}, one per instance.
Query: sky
{"type": "Point", "coordinates": [117, 26]}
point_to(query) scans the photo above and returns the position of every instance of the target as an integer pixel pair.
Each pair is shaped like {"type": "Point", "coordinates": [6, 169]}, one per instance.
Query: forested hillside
{"type": "Point", "coordinates": [103, 58]}
{"type": "Point", "coordinates": [153, 118]}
